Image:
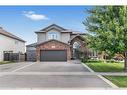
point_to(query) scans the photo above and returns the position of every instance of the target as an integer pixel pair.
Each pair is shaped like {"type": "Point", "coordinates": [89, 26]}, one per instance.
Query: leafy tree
{"type": "Point", "coordinates": [107, 26]}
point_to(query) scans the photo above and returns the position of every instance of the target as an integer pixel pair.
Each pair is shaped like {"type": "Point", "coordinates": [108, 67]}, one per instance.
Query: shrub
{"type": "Point", "coordinates": [84, 59]}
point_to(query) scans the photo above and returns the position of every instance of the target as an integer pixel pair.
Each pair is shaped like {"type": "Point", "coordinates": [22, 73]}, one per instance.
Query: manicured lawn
{"type": "Point", "coordinates": [120, 81]}
{"type": "Point", "coordinates": [100, 66]}
{"type": "Point", "coordinates": [6, 62]}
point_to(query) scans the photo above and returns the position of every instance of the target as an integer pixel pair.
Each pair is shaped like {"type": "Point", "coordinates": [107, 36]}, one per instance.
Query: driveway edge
{"type": "Point", "coordinates": [103, 78]}
{"type": "Point", "coordinates": [22, 67]}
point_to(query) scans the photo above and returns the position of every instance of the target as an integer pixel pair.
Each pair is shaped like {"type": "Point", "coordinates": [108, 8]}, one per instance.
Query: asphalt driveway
{"type": "Point", "coordinates": [48, 75]}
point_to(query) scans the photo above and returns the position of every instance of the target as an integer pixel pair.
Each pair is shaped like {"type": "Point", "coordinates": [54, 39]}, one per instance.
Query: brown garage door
{"type": "Point", "coordinates": [53, 55]}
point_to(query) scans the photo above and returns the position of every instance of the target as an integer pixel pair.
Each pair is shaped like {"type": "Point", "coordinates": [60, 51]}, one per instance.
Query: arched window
{"type": "Point", "coordinates": [76, 45]}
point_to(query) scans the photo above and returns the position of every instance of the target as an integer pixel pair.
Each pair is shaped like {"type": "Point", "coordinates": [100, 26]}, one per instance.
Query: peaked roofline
{"type": "Point", "coordinates": [50, 41]}
{"type": "Point", "coordinates": [44, 29]}
{"type": "Point", "coordinates": [81, 37]}
{"type": "Point", "coordinates": [32, 45]}
{"type": "Point", "coordinates": [78, 33]}
{"type": "Point", "coordinates": [59, 28]}
{"type": "Point", "coordinates": [8, 34]}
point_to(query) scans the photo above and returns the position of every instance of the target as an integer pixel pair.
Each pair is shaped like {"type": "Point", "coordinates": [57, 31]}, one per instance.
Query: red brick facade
{"type": "Point", "coordinates": [84, 49]}
{"type": "Point", "coordinates": [53, 45]}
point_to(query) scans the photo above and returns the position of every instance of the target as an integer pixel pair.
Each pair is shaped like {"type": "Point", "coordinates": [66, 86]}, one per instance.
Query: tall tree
{"type": "Point", "coordinates": [108, 26]}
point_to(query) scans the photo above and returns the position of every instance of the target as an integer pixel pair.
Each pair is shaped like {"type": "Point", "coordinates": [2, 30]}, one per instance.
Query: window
{"type": "Point", "coordinates": [52, 35]}
{"type": "Point", "coordinates": [76, 45]}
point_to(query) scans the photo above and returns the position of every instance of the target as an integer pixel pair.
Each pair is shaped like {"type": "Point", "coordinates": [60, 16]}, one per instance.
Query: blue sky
{"type": "Point", "coordinates": [23, 21]}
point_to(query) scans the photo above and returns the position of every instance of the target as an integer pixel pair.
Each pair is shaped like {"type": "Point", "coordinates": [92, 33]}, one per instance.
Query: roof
{"type": "Point", "coordinates": [79, 36]}
{"type": "Point", "coordinates": [31, 45]}
{"type": "Point", "coordinates": [75, 33]}
{"type": "Point", "coordinates": [36, 44]}
{"type": "Point", "coordinates": [52, 40]}
{"type": "Point", "coordinates": [53, 26]}
{"type": "Point", "coordinates": [59, 28]}
{"type": "Point", "coordinates": [5, 33]}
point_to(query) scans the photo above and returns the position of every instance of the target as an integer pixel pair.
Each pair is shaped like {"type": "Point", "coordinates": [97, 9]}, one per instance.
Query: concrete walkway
{"type": "Point", "coordinates": [63, 73]}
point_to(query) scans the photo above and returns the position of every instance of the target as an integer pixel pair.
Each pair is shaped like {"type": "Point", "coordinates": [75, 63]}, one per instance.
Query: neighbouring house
{"type": "Point", "coordinates": [10, 43]}
{"type": "Point", "coordinates": [55, 43]}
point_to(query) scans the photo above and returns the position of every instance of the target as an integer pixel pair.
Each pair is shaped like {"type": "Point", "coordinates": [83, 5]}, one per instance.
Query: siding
{"type": "Point", "coordinates": [72, 36]}
{"type": "Point", "coordinates": [41, 37]}
{"type": "Point", "coordinates": [65, 37]}
{"type": "Point", "coordinates": [10, 44]}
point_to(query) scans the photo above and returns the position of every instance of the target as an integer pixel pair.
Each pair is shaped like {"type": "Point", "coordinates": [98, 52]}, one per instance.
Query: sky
{"type": "Point", "coordinates": [23, 21]}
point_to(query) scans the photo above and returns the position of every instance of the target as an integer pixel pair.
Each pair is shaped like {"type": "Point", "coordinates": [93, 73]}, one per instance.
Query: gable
{"type": "Point", "coordinates": [53, 26]}
{"type": "Point", "coordinates": [52, 41]}
{"type": "Point", "coordinates": [53, 30]}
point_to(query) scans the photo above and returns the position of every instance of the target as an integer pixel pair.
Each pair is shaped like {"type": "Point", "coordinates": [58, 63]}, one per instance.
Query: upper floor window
{"type": "Point", "coordinates": [52, 35]}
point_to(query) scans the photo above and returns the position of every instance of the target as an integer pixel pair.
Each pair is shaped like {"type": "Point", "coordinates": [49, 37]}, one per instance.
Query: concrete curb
{"type": "Point", "coordinates": [103, 78]}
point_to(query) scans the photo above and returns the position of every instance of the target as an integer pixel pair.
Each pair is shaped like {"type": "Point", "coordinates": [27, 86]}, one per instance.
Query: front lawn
{"type": "Point", "coordinates": [6, 62]}
{"type": "Point", "coordinates": [120, 81]}
{"type": "Point", "coordinates": [99, 66]}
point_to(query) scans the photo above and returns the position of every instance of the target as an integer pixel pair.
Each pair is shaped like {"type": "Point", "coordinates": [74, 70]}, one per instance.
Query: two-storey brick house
{"type": "Point", "coordinates": [55, 43]}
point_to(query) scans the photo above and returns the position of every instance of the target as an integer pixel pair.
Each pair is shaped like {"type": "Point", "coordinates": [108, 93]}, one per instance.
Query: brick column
{"type": "Point", "coordinates": [68, 54]}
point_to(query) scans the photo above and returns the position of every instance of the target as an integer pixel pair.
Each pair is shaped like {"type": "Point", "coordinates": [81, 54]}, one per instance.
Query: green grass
{"type": "Point", "coordinates": [6, 62]}
{"type": "Point", "coordinates": [120, 81]}
{"type": "Point", "coordinates": [100, 66]}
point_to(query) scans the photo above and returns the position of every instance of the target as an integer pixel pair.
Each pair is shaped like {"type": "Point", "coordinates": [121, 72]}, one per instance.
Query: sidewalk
{"type": "Point", "coordinates": [64, 73]}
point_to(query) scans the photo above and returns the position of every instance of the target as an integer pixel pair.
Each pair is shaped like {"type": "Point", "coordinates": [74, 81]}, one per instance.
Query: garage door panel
{"type": "Point", "coordinates": [53, 55]}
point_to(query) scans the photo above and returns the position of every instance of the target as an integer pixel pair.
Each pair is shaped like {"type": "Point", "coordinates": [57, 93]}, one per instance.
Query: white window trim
{"type": "Point", "coordinates": [52, 35]}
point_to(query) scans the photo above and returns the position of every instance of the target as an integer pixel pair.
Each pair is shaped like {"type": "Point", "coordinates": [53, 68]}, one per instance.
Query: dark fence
{"type": "Point", "coordinates": [14, 57]}
{"type": "Point", "coordinates": [31, 55]}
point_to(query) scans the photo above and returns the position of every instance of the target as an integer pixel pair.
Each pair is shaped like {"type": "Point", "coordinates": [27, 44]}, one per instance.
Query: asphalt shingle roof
{"type": "Point", "coordinates": [32, 45]}
{"type": "Point", "coordinates": [5, 33]}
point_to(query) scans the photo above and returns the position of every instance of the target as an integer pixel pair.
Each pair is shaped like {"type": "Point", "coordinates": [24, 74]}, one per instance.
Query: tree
{"type": "Point", "coordinates": [108, 28]}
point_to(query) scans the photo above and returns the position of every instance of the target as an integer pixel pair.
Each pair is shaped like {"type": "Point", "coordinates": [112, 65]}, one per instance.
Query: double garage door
{"type": "Point", "coordinates": [53, 55]}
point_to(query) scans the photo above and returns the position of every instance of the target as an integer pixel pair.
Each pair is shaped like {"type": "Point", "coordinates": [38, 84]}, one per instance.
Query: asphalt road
{"type": "Point", "coordinates": [48, 75]}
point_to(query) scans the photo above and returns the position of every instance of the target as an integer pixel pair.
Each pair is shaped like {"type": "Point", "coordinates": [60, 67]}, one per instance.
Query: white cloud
{"type": "Point", "coordinates": [33, 16]}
